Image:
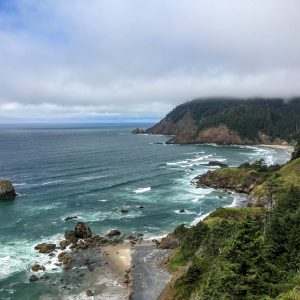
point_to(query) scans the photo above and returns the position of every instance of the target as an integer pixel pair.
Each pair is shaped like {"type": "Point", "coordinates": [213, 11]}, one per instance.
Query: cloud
{"type": "Point", "coordinates": [77, 59]}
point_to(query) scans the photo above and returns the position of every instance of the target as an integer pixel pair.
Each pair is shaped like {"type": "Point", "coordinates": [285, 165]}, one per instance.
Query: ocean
{"type": "Point", "coordinates": [92, 172]}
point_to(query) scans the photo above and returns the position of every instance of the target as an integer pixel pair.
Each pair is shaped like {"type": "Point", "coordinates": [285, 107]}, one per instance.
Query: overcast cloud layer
{"type": "Point", "coordinates": [126, 59]}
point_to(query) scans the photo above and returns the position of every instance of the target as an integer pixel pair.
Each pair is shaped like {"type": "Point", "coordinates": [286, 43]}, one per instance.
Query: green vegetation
{"type": "Point", "coordinates": [274, 117]}
{"type": "Point", "coordinates": [245, 253]}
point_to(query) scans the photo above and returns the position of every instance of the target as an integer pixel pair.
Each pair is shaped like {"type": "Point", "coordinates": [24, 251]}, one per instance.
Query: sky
{"type": "Point", "coordinates": [135, 60]}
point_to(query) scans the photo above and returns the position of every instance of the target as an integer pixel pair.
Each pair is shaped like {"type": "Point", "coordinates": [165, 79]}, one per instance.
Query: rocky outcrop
{"type": "Point", "coordinates": [7, 190]}
{"type": "Point", "coordinates": [215, 163]}
{"type": "Point", "coordinates": [240, 181]}
{"type": "Point", "coordinates": [185, 126]}
{"type": "Point", "coordinates": [45, 248]}
{"type": "Point", "coordinates": [138, 131]}
{"type": "Point", "coordinates": [173, 239]}
{"type": "Point", "coordinates": [82, 231]}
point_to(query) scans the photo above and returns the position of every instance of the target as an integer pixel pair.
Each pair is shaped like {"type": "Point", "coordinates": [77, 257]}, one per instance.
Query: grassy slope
{"type": "Point", "coordinates": [201, 264]}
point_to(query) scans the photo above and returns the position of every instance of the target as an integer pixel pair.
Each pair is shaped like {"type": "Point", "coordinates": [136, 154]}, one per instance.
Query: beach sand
{"type": "Point", "coordinates": [287, 148]}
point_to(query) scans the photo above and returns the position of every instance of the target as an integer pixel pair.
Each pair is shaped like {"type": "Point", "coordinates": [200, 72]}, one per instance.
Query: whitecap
{"type": "Point", "coordinates": [142, 190]}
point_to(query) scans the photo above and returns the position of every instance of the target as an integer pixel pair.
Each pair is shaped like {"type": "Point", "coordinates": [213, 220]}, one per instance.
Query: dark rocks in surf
{"type": "Point", "coordinates": [70, 218]}
{"type": "Point", "coordinates": [64, 244]}
{"type": "Point", "coordinates": [70, 236]}
{"type": "Point", "coordinates": [124, 211]}
{"type": "Point", "coordinates": [215, 163]}
{"type": "Point", "coordinates": [89, 293]}
{"type": "Point", "coordinates": [182, 211]}
{"type": "Point", "coordinates": [82, 231]}
{"type": "Point", "coordinates": [138, 131]}
{"type": "Point", "coordinates": [113, 233]}
{"type": "Point", "coordinates": [36, 268]}
{"type": "Point", "coordinates": [33, 278]}
{"type": "Point", "coordinates": [7, 190]}
{"type": "Point", "coordinates": [45, 248]}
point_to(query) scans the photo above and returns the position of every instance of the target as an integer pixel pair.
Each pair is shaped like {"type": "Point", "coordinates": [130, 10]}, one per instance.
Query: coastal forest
{"type": "Point", "coordinates": [232, 121]}
{"type": "Point", "coordinates": [243, 253]}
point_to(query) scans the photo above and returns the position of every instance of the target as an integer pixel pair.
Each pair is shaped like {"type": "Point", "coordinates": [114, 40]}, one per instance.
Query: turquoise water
{"type": "Point", "coordinates": [92, 172]}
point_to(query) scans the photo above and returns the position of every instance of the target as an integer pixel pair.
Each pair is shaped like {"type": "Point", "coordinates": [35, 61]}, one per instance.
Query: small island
{"type": "Point", "coordinates": [7, 190]}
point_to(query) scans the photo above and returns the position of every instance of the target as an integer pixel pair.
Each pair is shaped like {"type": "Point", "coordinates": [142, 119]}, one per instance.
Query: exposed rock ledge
{"type": "Point", "coordinates": [7, 190]}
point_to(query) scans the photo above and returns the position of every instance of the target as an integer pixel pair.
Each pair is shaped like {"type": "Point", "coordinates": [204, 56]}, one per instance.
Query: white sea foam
{"type": "Point", "coordinates": [53, 182]}
{"type": "Point", "coordinates": [200, 218]}
{"type": "Point", "coordinates": [19, 255]}
{"type": "Point", "coordinates": [142, 190]}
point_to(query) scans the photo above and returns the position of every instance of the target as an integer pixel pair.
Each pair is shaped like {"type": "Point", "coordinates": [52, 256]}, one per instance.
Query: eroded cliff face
{"type": "Point", "coordinates": [185, 126]}
{"type": "Point", "coordinates": [220, 135]}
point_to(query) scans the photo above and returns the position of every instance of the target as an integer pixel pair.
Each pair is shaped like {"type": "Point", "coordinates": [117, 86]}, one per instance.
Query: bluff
{"type": "Point", "coordinates": [232, 121]}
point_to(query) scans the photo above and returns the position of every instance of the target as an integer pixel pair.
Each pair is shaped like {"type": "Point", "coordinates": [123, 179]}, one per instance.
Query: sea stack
{"type": "Point", "coordinates": [138, 131]}
{"type": "Point", "coordinates": [7, 190]}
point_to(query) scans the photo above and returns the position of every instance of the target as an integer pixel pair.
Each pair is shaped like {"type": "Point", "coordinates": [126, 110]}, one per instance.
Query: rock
{"type": "Point", "coordinates": [217, 164]}
{"type": "Point", "coordinates": [89, 293]}
{"type": "Point", "coordinates": [33, 278]}
{"type": "Point", "coordinates": [138, 131]}
{"type": "Point", "coordinates": [63, 244]}
{"type": "Point", "coordinates": [82, 231]}
{"type": "Point", "coordinates": [7, 191]}
{"type": "Point", "coordinates": [36, 268]}
{"type": "Point", "coordinates": [113, 232]}
{"type": "Point", "coordinates": [141, 206]}
{"type": "Point", "coordinates": [70, 236]}
{"type": "Point", "coordinates": [124, 211]}
{"type": "Point", "coordinates": [182, 211]}
{"type": "Point", "coordinates": [45, 248]}
{"type": "Point", "coordinates": [71, 218]}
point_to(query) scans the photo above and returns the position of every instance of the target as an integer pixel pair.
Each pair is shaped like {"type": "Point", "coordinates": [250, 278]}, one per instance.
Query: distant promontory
{"type": "Point", "coordinates": [226, 121]}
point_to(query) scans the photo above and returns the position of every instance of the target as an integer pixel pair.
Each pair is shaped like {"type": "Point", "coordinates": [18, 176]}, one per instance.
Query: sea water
{"type": "Point", "coordinates": [92, 172]}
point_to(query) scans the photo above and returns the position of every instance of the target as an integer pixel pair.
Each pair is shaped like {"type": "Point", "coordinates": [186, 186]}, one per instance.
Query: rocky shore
{"type": "Point", "coordinates": [114, 266]}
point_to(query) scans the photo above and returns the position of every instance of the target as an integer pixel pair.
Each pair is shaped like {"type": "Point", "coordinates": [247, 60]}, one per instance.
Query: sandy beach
{"type": "Point", "coordinates": [287, 148]}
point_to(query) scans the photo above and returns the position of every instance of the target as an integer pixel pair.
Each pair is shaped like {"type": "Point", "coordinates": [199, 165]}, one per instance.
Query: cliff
{"type": "Point", "coordinates": [231, 121]}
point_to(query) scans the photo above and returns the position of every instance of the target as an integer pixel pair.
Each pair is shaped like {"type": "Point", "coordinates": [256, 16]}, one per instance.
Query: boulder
{"type": "Point", "coordinates": [7, 191]}
{"type": "Point", "coordinates": [182, 211]}
{"type": "Point", "coordinates": [36, 268]}
{"type": "Point", "coordinates": [33, 278]}
{"type": "Point", "coordinates": [82, 231]}
{"type": "Point", "coordinates": [70, 236]}
{"type": "Point", "coordinates": [63, 244]}
{"type": "Point", "coordinates": [113, 232]}
{"type": "Point", "coordinates": [45, 248]}
{"type": "Point", "coordinates": [124, 211]}
{"type": "Point", "coordinates": [89, 293]}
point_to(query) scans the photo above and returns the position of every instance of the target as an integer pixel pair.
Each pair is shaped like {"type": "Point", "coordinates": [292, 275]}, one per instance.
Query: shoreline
{"type": "Point", "coordinates": [287, 148]}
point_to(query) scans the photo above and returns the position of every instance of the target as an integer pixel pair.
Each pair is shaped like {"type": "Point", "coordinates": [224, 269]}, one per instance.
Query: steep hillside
{"type": "Point", "coordinates": [232, 121]}
{"type": "Point", "coordinates": [243, 253]}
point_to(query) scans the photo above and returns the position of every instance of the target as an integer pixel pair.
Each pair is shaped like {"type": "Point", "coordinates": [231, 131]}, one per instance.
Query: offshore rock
{"type": "Point", "coordinates": [82, 231]}
{"type": "Point", "coordinates": [7, 190]}
{"type": "Point", "coordinates": [138, 131]}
